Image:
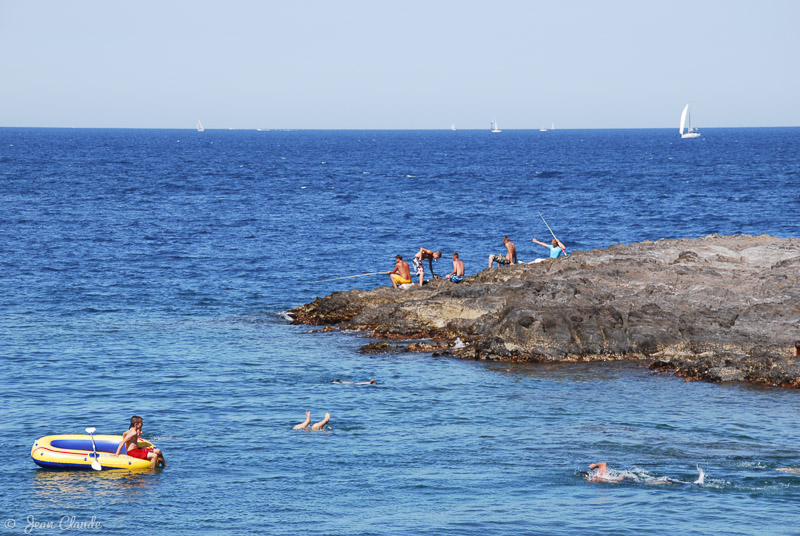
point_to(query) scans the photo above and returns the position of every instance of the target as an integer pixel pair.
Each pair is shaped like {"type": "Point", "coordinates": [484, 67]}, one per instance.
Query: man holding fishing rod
{"type": "Point", "coordinates": [556, 247]}
{"type": "Point", "coordinates": [401, 275]}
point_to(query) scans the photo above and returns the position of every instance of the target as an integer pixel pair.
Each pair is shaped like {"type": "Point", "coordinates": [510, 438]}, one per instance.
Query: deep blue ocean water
{"type": "Point", "coordinates": [145, 272]}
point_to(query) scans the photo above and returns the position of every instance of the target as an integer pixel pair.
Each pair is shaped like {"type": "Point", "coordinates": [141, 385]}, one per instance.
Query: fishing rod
{"type": "Point", "coordinates": [348, 277]}
{"type": "Point", "coordinates": [548, 227]}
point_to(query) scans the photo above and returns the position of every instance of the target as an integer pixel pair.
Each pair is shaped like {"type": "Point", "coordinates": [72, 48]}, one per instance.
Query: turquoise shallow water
{"type": "Point", "coordinates": [145, 272]}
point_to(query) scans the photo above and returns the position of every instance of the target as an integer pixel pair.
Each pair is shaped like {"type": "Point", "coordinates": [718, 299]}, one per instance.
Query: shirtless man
{"type": "Point", "coordinates": [556, 249]}
{"type": "Point", "coordinates": [510, 258]}
{"type": "Point", "coordinates": [400, 275]}
{"type": "Point", "coordinates": [130, 440]}
{"type": "Point", "coordinates": [457, 275]}
{"type": "Point", "coordinates": [421, 255]}
{"type": "Point", "coordinates": [602, 474]}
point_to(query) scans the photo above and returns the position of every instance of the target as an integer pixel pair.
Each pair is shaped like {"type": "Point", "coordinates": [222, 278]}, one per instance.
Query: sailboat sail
{"type": "Point", "coordinates": [200, 127]}
{"type": "Point", "coordinates": [685, 128]}
{"type": "Point", "coordinates": [686, 120]}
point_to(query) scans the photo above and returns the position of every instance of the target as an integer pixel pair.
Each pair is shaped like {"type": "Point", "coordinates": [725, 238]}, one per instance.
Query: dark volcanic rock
{"type": "Point", "coordinates": [381, 348]}
{"type": "Point", "coordinates": [721, 308]}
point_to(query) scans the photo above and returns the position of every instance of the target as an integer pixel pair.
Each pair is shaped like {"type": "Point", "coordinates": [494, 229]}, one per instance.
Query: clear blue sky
{"type": "Point", "coordinates": [399, 65]}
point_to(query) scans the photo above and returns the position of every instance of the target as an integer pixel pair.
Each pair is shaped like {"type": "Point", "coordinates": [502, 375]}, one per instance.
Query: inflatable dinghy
{"type": "Point", "coordinates": [75, 451]}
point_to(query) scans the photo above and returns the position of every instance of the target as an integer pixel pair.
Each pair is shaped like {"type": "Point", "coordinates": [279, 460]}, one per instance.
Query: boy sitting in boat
{"type": "Point", "coordinates": [131, 441]}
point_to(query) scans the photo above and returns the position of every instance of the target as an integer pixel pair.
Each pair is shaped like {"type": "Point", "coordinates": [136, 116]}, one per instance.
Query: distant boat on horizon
{"type": "Point", "coordinates": [200, 127]}
{"type": "Point", "coordinates": [542, 129]}
{"type": "Point", "coordinates": [453, 126]}
{"type": "Point", "coordinates": [553, 126]}
{"type": "Point", "coordinates": [494, 126]}
{"type": "Point", "coordinates": [686, 123]}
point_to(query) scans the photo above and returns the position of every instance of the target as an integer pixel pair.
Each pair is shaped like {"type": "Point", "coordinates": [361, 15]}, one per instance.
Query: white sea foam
{"type": "Point", "coordinates": [702, 478]}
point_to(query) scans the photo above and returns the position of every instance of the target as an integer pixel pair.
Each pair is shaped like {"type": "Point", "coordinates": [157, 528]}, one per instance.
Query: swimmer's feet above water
{"type": "Point", "coordinates": [303, 425]}
{"type": "Point", "coordinates": [321, 424]}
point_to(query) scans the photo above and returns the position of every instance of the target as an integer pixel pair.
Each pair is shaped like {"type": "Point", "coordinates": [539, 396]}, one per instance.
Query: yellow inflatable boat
{"type": "Point", "coordinates": [75, 451]}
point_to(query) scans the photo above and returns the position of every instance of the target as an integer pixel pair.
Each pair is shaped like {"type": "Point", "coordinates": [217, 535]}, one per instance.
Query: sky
{"type": "Point", "coordinates": [373, 64]}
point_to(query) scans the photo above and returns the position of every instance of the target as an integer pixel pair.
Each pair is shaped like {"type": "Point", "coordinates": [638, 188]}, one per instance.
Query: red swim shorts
{"type": "Point", "coordinates": [140, 453]}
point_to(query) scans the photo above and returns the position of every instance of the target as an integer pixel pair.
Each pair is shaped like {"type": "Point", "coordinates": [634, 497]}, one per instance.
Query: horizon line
{"type": "Point", "coordinates": [290, 129]}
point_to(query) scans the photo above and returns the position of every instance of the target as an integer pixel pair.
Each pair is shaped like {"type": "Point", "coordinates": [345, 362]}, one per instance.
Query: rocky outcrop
{"type": "Point", "coordinates": [722, 308]}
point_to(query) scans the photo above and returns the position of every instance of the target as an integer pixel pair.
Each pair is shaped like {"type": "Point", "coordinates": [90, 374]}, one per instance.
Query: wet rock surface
{"type": "Point", "coordinates": [719, 308]}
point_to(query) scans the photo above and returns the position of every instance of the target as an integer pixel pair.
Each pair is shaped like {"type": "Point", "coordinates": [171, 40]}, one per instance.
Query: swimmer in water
{"type": "Point", "coordinates": [303, 425]}
{"type": "Point", "coordinates": [371, 382]}
{"type": "Point", "coordinates": [321, 424]}
{"type": "Point", "coordinates": [790, 470]}
{"type": "Point", "coordinates": [601, 473]}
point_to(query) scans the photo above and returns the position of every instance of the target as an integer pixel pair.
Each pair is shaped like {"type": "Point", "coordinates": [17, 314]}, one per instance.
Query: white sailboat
{"type": "Point", "coordinates": [686, 125]}
{"type": "Point", "coordinates": [542, 129]}
{"type": "Point", "coordinates": [553, 126]}
{"type": "Point", "coordinates": [452, 126]}
{"type": "Point", "coordinates": [200, 127]}
{"type": "Point", "coordinates": [494, 127]}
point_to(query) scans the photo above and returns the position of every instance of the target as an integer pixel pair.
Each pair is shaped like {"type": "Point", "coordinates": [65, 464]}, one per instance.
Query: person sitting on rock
{"type": "Point", "coordinates": [509, 258]}
{"type": "Point", "coordinates": [556, 248]}
{"type": "Point", "coordinates": [421, 255]}
{"type": "Point", "coordinates": [401, 274]}
{"type": "Point", "coordinates": [457, 275]}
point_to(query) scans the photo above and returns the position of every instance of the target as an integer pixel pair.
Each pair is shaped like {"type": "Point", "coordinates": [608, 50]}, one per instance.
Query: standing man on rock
{"type": "Point", "coordinates": [510, 258]}
{"type": "Point", "coordinates": [400, 275]}
{"type": "Point", "coordinates": [421, 255]}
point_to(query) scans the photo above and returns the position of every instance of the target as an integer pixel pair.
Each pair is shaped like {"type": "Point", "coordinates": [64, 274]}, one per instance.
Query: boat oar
{"type": "Point", "coordinates": [95, 464]}
{"type": "Point", "coordinates": [348, 277]}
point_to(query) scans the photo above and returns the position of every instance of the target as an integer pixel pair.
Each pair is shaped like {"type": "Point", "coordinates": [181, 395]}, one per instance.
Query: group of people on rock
{"type": "Point", "coordinates": [401, 275]}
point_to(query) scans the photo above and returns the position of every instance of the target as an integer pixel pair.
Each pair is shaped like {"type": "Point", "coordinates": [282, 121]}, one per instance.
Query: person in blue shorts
{"type": "Point", "coordinates": [457, 275]}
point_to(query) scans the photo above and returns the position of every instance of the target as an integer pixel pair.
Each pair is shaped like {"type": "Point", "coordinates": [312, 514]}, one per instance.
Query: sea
{"type": "Point", "coordinates": [148, 272]}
